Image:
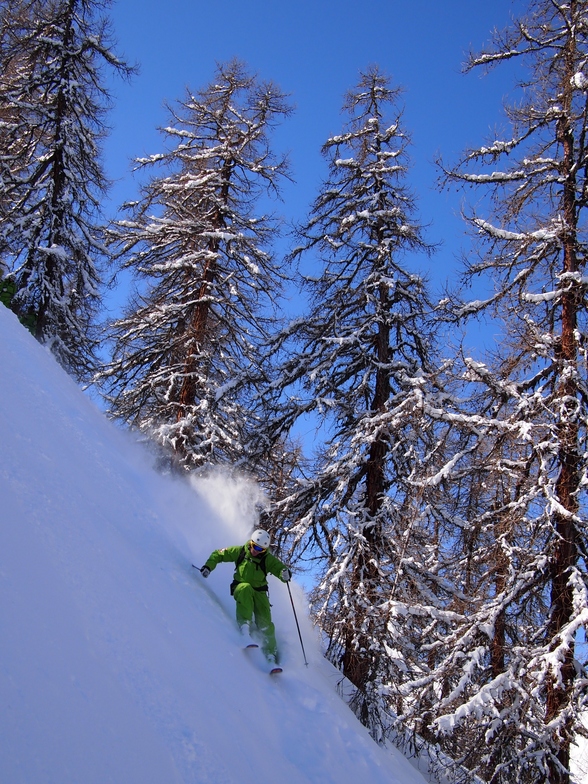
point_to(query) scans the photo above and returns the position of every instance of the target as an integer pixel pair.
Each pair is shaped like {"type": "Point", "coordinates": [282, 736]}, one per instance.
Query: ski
{"type": "Point", "coordinates": [275, 670]}
{"type": "Point", "coordinates": [251, 645]}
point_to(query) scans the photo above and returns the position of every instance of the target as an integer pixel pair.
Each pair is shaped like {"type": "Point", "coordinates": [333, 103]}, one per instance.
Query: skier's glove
{"type": "Point", "coordinates": [286, 575]}
{"type": "Point", "coordinates": [205, 571]}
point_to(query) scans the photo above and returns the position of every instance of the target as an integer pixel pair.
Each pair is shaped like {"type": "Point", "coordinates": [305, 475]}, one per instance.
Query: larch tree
{"type": "Point", "coordinates": [186, 353]}
{"type": "Point", "coordinates": [358, 364]}
{"type": "Point", "coordinates": [52, 105]}
{"type": "Point", "coordinates": [516, 685]}
{"type": "Point", "coordinates": [463, 688]}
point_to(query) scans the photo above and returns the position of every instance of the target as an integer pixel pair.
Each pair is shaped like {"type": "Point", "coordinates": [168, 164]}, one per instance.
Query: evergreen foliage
{"type": "Point", "coordinates": [505, 678]}
{"type": "Point", "coordinates": [359, 362]}
{"type": "Point", "coordinates": [52, 102]}
{"type": "Point", "coordinates": [186, 354]}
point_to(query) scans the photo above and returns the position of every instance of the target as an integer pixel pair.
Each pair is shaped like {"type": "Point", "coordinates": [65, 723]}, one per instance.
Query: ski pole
{"type": "Point", "coordinates": [297, 625]}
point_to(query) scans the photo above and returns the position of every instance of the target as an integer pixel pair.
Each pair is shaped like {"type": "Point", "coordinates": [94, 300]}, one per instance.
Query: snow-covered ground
{"type": "Point", "coordinates": [118, 662]}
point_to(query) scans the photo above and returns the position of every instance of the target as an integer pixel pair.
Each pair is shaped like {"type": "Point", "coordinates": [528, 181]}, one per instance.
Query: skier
{"type": "Point", "coordinates": [249, 588]}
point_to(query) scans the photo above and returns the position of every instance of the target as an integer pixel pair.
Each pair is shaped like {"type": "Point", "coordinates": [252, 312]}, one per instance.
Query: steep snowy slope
{"type": "Point", "coordinates": [118, 663]}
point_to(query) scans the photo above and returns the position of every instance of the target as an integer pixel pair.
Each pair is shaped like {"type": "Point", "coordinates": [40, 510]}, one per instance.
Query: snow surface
{"type": "Point", "coordinates": [118, 663]}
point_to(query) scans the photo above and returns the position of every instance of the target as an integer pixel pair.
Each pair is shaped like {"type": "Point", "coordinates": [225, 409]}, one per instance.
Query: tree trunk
{"type": "Point", "coordinates": [199, 323]}
{"type": "Point", "coordinates": [567, 484]}
{"type": "Point", "coordinates": [357, 662]}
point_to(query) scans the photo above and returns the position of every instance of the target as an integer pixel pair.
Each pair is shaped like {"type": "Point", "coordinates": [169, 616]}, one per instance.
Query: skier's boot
{"type": "Point", "coordinates": [248, 641]}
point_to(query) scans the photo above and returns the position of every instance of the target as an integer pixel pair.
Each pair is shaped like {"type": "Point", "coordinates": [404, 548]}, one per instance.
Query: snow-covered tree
{"type": "Point", "coordinates": [186, 354]}
{"type": "Point", "coordinates": [358, 363]}
{"type": "Point", "coordinates": [52, 104]}
{"type": "Point", "coordinates": [506, 670]}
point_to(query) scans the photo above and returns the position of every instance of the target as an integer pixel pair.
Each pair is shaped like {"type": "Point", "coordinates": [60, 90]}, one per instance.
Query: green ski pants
{"type": "Point", "coordinates": [252, 603]}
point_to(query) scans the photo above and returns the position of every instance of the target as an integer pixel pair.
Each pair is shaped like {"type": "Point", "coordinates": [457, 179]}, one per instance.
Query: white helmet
{"type": "Point", "coordinates": [261, 538]}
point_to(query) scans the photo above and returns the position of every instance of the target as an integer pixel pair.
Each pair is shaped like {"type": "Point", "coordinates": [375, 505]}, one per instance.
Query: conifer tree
{"type": "Point", "coordinates": [359, 362]}
{"type": "Point", "coordinates": [513, 681]}
{"type": "Point", "coordinates": [52, 104]}
{"type": "Point", "coordinates": [186, 354]}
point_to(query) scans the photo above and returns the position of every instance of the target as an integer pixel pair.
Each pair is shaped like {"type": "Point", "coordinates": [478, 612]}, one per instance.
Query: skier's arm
{"type": "Point", "coordinates": [276, 567]}
{"type": "Point", "coordinates": [227, 554]}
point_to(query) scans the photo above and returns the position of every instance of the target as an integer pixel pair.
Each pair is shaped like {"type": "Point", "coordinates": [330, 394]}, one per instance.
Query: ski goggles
{"type": "Point", "coordinates": [256, 548]}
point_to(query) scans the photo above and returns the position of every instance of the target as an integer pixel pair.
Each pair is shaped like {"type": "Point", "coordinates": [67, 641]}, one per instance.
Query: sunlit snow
{"type": "Point", "coordinates": [118, 662]}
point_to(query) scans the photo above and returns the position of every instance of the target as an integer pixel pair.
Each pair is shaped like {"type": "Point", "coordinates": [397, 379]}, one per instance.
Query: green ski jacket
{"type": "Point", "coordinates": [252, 570]}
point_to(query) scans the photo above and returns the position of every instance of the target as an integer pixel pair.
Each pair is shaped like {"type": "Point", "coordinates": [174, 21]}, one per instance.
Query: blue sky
{"type": "Point", "coordinates": [314, 50]}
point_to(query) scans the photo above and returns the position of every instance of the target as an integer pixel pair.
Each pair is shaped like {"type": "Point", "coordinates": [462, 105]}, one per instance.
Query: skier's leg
{"type": "Point", "coordinates": [243, 596]}
{"type": "Point", "coordinates": [263, 619]}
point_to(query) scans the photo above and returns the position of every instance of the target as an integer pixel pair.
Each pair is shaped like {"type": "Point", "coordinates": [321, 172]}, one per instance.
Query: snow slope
{"type": "Point", "coordinates": [118, 662]}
